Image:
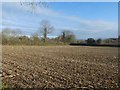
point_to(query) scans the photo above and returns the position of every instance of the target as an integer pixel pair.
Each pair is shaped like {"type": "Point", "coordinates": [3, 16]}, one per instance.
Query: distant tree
{"type": "Point", "coordinates": [9, 36]}
{"type": "Point", "coordinates": [107, 41]}
{"type": "Point", "coordinates": [45, 28]}
{"type": "Point", "coordinates": [67, 36]}
{"type": "Point", "coordinates": [35, 39]}
{"type": "Point", "coordinates": [98, 41]}
{"type": "Point", "coordinates": [119, 37]}
{"type": "Point", "coordinates": [63, 36]}
{"type": "Point", "coordinates": [11, 32]}
{"type": "Point", "coordinates": [24, 40]}
{"type": "Point", "coordinates": [90, 41]}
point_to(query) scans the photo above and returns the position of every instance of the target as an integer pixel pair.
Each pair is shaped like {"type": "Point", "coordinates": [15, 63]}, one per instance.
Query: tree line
{"type": "Point", "coordinates": [39, 37]}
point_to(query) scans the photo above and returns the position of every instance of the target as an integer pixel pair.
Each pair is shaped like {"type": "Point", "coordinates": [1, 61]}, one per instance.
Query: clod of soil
{"type": "Point", "coordinates": [59, 67]}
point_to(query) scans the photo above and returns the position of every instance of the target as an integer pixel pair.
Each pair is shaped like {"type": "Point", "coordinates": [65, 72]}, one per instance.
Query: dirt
{"type": "Point", "coordinates": [59, 67]}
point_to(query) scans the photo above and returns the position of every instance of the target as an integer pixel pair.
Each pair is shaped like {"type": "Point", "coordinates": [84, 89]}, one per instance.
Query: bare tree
{"type": "Point", "coordinates": [67, 36]}
{"type": "Point", "coordinates": [34, 4]}
{"type": "Point", "coordinates": [45, 28]}
{"type": "Point", "coordinates": [35, 38]}
{"type": "Point", "coordinates": [10, 35]}
{"type": "Point", "coordinates": [11, 32]}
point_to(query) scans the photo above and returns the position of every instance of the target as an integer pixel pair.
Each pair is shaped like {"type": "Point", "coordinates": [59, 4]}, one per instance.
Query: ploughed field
{"type": "Point", "coordinates": [59, 66]}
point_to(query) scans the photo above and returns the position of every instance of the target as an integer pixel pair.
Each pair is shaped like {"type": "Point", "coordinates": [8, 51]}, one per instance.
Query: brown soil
{"type": "Point", "coordinates": [60, 66]}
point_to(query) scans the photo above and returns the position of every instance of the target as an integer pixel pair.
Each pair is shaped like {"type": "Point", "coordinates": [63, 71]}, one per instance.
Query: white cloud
{"type": "Point", "coordinates": [93, 25]}
{"type": "Point", "coordinates": [83, 24]}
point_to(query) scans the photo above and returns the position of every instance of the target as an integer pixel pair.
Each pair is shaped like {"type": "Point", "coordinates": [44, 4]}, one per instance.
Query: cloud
{"type": "Point", "coordinates": [83, 25]}
{"type": "Point", "coordinates": [92, 25]}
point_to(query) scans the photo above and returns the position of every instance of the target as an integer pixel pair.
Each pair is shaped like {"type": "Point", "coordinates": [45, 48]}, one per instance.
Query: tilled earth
{"type": "Point", "coordinates": [59, 67]}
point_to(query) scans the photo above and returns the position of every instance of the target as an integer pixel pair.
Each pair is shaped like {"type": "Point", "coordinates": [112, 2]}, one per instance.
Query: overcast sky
{"type": "Point", "coordinates": [85, 20]}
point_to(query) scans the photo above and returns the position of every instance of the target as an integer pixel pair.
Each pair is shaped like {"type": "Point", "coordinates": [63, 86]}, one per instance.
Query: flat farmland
{"type": "Point", "coordinates": [60, 66]}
